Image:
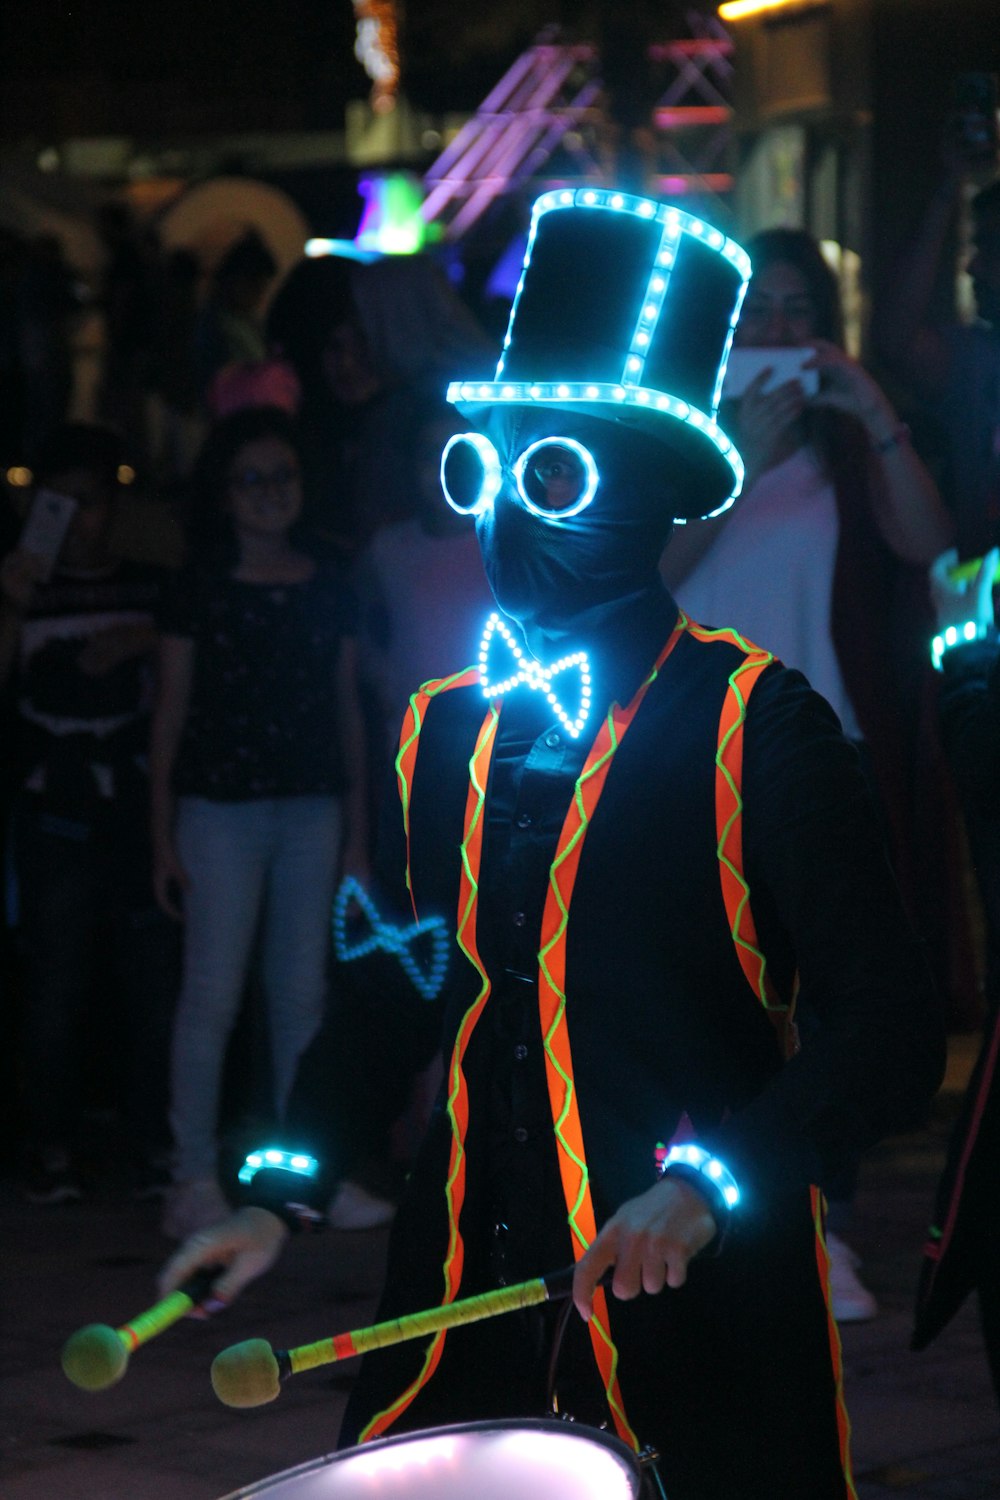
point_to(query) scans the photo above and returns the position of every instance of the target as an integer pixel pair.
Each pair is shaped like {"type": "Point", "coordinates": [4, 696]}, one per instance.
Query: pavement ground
{"type": "Point", "coordinates": [925, 1427]}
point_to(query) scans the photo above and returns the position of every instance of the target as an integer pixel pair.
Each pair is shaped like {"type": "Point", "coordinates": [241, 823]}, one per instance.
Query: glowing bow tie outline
{"type": "Point", "coordinates": [533, 675]}
{"type": "Point", "coordinates": [391, 939]}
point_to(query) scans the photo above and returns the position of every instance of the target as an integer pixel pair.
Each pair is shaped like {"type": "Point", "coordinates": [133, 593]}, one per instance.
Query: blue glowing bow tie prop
{"type": "Point", "coordinates": [428, 978]}
{"type": "Point", "coordinates": [523, 669]}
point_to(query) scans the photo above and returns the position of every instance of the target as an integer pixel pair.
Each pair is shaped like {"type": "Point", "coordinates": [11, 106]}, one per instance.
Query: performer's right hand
{"type": "Point", "coordinates": [247, 1244]}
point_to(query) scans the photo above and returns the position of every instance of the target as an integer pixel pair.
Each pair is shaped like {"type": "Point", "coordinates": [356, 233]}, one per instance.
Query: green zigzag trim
{"type": "Point", "coordinates": [737, 812]}
{"type": "Point", "coordinates": [561, 1008]}
{"type": "Point", "coordinates": [484, 990]}
{"type": "Point", "coordinates": [556, 938]}
{"type": "Point", "coordinates": [612, 1402]}
{"type": "Point", "coordinates": [417, 1384]}
{"type": "Point", "coordinates": [404, 789]}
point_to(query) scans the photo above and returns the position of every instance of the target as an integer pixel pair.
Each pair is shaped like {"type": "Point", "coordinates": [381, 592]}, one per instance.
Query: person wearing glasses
{"type": "Point", "coordinates": [258, 779]}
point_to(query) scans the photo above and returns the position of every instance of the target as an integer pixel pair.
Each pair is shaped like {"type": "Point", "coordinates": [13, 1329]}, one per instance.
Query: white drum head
{"type": "Point", "coordinates": [543, 1460]}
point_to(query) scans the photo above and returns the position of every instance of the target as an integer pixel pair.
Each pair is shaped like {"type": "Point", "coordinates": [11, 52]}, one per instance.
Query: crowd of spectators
{"type": "Point", "coordinates": [204, 680]}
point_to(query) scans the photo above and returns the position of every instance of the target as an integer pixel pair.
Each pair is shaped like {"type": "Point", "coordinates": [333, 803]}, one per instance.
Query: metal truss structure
{"type": "Point", "coordinates": [552, 99]}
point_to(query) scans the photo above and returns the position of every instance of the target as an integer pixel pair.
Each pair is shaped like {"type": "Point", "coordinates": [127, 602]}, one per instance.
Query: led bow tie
{"type": "Point", "coordinates": [535, 676]}
{"type": "Point", "coordinates": [426, 980]}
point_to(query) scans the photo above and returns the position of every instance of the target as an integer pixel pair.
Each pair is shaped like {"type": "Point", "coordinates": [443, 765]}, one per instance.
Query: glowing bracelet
{"type": "Point", "coordinates": [704, 1169]}
{"type": "Point", "coordinates": [270, 1158]}
{"type": "Point", "coordinates": [955, 635]}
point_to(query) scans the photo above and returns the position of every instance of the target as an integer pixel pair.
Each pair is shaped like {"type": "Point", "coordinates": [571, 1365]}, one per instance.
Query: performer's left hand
{"type": "Point", "coordinates": [649, 1241]}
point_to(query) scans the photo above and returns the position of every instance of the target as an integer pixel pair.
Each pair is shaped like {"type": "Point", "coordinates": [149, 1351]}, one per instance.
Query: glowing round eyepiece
{"type": "Point", "coordinates": [556, 478]}
{"type": "Point", "coordinates": [470, 473]}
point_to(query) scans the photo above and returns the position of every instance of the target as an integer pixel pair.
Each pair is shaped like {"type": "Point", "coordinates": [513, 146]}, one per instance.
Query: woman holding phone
{"type": "Point", "coordinates": [808, 561]}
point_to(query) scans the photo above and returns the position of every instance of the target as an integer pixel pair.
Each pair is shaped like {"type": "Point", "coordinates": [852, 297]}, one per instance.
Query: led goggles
{"type": "Point", "coordinates": [556, 477]}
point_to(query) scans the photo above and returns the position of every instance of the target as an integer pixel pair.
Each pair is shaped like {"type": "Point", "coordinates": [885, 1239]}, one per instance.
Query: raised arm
{"type": "Point", "coordinates": [908, 509]}
{"type": "Point", "coordinates": [901, 328]}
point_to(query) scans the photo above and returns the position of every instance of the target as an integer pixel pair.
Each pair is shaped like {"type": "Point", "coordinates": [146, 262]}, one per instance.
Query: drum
{"type": "Point", "coordinates": [530, 1460]}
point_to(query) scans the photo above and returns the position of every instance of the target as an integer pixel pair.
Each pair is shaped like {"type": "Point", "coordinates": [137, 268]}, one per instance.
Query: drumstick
{"type": "Point", "coordinates": [250, 1374]}
{"type": "Point", "coordinates": [97, 1356]}
{"type": "Point", "coordinates": [965, 572]}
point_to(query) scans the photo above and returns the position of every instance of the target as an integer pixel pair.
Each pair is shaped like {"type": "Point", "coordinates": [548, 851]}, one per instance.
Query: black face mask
{"type": "Point", "coordinates": [562, 579]}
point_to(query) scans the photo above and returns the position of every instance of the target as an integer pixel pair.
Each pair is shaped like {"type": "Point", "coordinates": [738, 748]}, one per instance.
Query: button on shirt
{"type": "Point", "coordinates": [534, 771]}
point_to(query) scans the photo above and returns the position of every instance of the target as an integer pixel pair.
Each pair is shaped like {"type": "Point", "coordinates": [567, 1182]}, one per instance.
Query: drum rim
{"type": "Point", "coordinates": [566, 1428]}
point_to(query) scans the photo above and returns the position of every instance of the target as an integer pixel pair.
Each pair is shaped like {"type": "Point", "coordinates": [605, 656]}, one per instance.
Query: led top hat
{"type": "Point", "coordinates": [625, 311]}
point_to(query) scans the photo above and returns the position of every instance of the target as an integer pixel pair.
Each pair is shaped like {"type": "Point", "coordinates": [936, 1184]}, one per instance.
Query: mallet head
{"type": "Point", "coordinates": [246, 1374]}
{"type": "Point", "coordinates": [94, 1357]}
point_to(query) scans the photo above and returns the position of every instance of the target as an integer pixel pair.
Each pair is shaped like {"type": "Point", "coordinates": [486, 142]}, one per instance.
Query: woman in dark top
{"type": "Point", "coordinates": [257, 753]}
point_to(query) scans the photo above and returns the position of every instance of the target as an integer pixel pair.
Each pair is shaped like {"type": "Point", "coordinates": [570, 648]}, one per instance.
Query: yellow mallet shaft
{"type": "Point", "coordinates": [418, 1325]}
{"type": "Point", "coordinates": [249, 1374]}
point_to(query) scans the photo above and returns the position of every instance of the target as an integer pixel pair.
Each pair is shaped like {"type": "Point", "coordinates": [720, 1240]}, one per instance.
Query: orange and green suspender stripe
{"type": "Point", "coordinates": [736, 895]}
{"type": "Point", "coordinates": [458, 1093]}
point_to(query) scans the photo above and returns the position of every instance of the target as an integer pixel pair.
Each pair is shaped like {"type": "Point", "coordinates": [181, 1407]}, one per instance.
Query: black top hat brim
{"type": "Point", "coordinates": [709, 472]}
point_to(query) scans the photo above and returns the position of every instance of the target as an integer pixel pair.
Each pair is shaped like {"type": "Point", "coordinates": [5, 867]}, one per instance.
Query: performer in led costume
{"type": "Point", "coordinates": [650, 836]}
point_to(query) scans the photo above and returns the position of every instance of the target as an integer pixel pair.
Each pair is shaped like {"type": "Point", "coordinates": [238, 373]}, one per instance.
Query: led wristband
{"type": "Point", "coordinates": [272, 1159]}
{"type": "Point", "coordinates": [955, 635]}
{"type": "Point", "coordinates": [706, 1173]}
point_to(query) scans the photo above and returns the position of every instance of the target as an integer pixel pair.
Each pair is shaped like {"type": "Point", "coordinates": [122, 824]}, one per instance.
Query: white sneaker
{"type": "Point", "coordinates": [354, 1207]}
{"type": "Point", "coordinates": [193, 1205]}
{"type": "Point", "coordinates": [850, 1300]}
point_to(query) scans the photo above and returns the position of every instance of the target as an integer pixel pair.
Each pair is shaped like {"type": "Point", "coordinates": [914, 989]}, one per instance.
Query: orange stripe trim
{"type": "Point", "coordinates": [836, 1357]}
{"type": "Point", "coordinates": [555, 1032]}
{"type": "Point", "coordinates": [458, 1095]}
{"type": "Point", "coordinates": [729, 829]}
{"type": "Point", "coordinates": [409, 740]}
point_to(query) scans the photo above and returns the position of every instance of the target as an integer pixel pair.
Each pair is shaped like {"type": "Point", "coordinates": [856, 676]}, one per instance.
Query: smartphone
{"type": "Point", "coordinates": [46, 525]}
{"type": "Point", "coordinates": [785, 364]}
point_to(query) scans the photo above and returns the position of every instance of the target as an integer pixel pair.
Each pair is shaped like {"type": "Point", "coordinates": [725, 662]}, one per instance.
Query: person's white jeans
{"type": "Point", "coordinates": [272, 861]}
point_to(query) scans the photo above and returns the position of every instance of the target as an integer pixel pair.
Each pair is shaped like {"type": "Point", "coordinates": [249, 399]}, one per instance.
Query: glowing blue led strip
{"type": "Point", "coordinates": [955, 635]}
{"type": "Point", "coordinates": [397, 941]}
{"type": "Point", "coordinates": [708, 1166]}
{"type": "Point", "coordinates": [589, 468]}
{"type": "Point", "coordinates": [533, 675]}
{"type": "Point", "coordinates": [727, 350]}
{"type": "Point", "coordinates": [673, 221]}
{"type": "Point", "coordinates": [286, 1161]}
{"type": "Point", "coordinates": [652, 302]}
{"type": "Point", "coordinates": [492, 472]}
{"type": "Point", "coordinates": [564, 394]}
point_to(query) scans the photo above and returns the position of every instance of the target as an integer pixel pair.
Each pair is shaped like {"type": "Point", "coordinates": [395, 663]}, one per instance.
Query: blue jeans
{"type": "Point", "coordinates": [270, 865]}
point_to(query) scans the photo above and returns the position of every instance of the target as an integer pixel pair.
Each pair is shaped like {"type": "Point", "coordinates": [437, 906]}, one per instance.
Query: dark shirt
{"type": "Point", "coordinates": [263, 718]}
{"type": "Point", "coordinates": [79, 730]}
